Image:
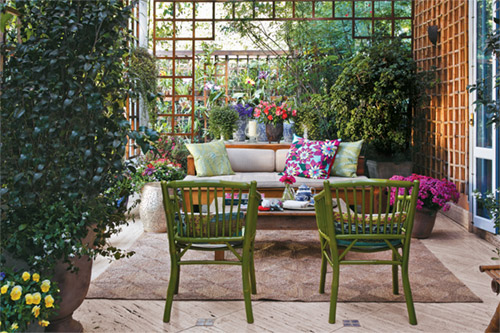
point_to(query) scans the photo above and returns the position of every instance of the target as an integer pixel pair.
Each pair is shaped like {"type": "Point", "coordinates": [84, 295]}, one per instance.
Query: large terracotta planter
{"type": "Point", "coordinates": [151, 208]}
{"type": "Point", "coordinates": [423, 223]}
{"type": "Point", "coordinates": [274, 132]}
{"type": "Point", "coordinates": [386, 170]}
{"type": "Point", "coordinates": [73, 289]}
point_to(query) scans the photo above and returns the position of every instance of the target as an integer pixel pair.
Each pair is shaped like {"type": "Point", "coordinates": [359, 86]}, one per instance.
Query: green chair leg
{"type": "Point", "coordinates": [252, 274]}
{"type": "Point", "coordinates": [408, 296]}
{"type": "Point", "coordinates": [172, 285]}
{"type": "Point", "coordinates": [322, 273]}
{"type": "Point", "coordinates": [246, 291]}
{"type": "Point", "coordinates": [334, 295]}
{"type": "Point", "coordinates": [395, 282]}
{"type": "Point", "coordinates": [177, 280]}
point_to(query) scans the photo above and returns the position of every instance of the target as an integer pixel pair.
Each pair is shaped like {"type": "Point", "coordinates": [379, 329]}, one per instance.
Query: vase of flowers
{"type": "Point", "coordinates": [273, 115]}
{"type": "Point", "coordinates": [288, 192]}
{"type": "Point", "coordinates": [433, 195]}
{"type": "Point", "coordinates": [245, 113]}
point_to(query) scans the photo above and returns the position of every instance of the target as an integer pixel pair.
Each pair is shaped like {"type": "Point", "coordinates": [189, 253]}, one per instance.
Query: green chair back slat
{"type": "Point", "coordinates": [199, 219]}
{"type": "Point", "coordinates": [365, 220]}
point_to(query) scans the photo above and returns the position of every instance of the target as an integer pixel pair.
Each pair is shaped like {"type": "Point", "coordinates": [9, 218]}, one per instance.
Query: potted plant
{"type": "Point", "coordinates": [373, 99]}
{"type": "Point", "coordinates": [245, 112]}
{"type": "Point", "coordinates": [222, 121]}
{"type": "Point", "coordinates": [433, 195]}
{"type": "Point", "coordinates": [64, 135]}
{"type": "Point", "coordinates": [26, 300]}
{"type": "Point", "coordinates": [146, 181]}
{"type": "Point", "coordinates": [273, 116]}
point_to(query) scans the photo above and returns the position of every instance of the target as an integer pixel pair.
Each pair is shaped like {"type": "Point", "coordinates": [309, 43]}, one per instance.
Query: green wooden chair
{"type": "Point", "coordinates": [198, 218]}
{"type": "Point", "coordinates": [372, 225]}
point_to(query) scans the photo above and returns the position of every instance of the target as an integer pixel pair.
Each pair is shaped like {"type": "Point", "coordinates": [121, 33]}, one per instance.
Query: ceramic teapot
{"type": "Point", "coordinates": [304, 193]}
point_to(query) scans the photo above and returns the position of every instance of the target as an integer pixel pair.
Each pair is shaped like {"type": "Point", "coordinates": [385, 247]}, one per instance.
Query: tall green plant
{"type": "Point", "coordinates": [143, 76]}
{"type": "Point", "coordinates": [373, 97]}
{"type": "Point", "coordinates": [64, 131]}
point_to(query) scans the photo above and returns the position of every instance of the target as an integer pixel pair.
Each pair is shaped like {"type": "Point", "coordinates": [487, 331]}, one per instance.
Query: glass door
{"type": "Point", "coordinates": [483, 136]}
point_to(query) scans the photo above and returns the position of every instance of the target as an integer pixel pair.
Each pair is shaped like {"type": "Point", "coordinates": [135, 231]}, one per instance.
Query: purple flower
{"type": "Point", "coordinates": [2, 276]}
{"type": "Point", "coordinates": [244, 110]}
{"type": "Point", "coordinates": [262, 75]}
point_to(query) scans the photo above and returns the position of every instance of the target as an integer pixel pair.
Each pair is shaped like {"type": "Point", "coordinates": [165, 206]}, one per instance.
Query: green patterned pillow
{"type": "Point", "coordinates": [346, 161]}
{"type": "Point", "coordinates": [210, 159]}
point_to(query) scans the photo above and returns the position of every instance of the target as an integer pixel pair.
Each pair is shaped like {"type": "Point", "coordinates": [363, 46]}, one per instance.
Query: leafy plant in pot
{"type": "Point", "coordinates": [64, 135]}
{"type": "Point", "coordinates": [373, 99]}
{"type": "Point", "coordinates": [222, 121]}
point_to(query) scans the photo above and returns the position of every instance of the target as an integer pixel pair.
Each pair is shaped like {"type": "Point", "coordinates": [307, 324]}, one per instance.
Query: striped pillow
{"type": "Point", "coordinates": [346, 161]}
{"type": "Point", "coordinates": [210, 159]}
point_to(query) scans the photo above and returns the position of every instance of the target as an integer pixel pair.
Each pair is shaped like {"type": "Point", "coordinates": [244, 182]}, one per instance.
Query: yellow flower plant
{"type": "Point", "coordinates": [23, 304]}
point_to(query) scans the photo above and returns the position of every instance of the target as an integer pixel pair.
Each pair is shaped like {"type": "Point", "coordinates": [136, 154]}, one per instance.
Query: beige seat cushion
{"type": "Point", "coordinates": [271, 179]}
{"type": "Point", "coordinates": [281, 155]}
{"type": "Point", "coordinates": [251, 160]}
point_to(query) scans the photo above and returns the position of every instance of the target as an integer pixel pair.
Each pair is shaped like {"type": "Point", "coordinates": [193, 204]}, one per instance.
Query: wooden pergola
{"type": "Point", "coordinates": [178, 25]}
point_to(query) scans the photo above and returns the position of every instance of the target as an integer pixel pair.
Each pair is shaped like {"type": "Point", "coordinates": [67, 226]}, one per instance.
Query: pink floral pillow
{"type": "Point", "coordinates": [311, 159]}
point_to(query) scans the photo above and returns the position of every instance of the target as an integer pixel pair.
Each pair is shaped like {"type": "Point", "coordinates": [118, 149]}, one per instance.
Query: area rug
{"type": "Point", "coordinates": [287, 268]}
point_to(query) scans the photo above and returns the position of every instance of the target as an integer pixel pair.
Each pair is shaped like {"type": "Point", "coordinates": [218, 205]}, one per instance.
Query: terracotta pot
{"type": "Point", "coordinates": [274, 132]}
{"type": "Point", "coordinates": [151, 208]}
{"type": "Point", "coordinates": [73, 289]}
{"type": "Point", "coordinates": [423, 223]}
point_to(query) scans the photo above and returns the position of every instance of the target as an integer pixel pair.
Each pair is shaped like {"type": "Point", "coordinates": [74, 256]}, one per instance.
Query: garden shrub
{"type": "Point", "coordinates": [63, 130]}
{"type": "Point", "coordinates": [373, 97]}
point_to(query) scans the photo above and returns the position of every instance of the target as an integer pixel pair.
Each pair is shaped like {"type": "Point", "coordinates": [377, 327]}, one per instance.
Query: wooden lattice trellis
{"type": "Point", "coordinates": [441, 134]}
{"type": "Point", "coordinates": [178, 25]}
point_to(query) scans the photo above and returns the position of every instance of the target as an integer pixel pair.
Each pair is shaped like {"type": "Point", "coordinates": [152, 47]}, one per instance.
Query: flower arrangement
{"type": "Point", "coordinates": [288, 192]}
{"type": "Point", "coordinates": [271, 113]}
{"type": "Point", "coordinates": [288, 179]}
{"type": "Point", "coordinates": [155, 171]}
{"type": "Point", "coordinates": [433, 193]}
{"type": "Point", "coordinates": [25, 299]}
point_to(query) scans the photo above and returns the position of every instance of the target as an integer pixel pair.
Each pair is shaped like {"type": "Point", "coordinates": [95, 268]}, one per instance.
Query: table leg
{"type": "Point", "coordinates": [219, 255]}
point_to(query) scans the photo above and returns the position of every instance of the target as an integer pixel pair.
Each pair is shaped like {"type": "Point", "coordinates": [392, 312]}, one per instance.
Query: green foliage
{"type": "Point", "coordinates": [222, 121]}
{"type": "Point", "coordinates": [318, 117]}
{"type": "Point", "coordinates": [484, 98]}
{"type": "Point", "coordinates": [64, 131]}
{"type": "Point", "coordinates": [172, 148]}
{"type": "Point", "coordinates": [143, 77]}
{"type": "Point", "coordinates": [373, 97]}
{"type": "Point", "coordinates": [156, 171]}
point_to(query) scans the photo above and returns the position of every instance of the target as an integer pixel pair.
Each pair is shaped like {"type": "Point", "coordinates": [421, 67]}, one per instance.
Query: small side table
{"type": "Point", "coordinates": [494, 272]}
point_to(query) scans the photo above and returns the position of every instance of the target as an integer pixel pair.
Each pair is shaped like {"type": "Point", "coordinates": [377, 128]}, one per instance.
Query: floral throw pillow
{"type": "Point", "coordinates": [311, 159]}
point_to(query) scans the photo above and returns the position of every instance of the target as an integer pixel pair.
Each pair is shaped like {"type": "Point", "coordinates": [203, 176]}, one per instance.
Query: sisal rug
{"type": "Point", "coordinates": [287, 268]}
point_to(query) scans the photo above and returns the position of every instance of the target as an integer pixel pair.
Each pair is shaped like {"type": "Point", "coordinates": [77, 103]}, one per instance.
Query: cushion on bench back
{"type": "Point", "coordinates": [281, 155]}
{"type": "Point", "coordinates": [251, 160]}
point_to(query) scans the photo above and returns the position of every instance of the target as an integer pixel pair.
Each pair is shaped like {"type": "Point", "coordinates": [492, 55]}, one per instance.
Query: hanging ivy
{"type": "Point", "coordinates": [143, 76]}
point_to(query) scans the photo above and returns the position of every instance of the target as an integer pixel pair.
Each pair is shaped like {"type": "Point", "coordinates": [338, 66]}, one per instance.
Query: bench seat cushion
{"type": "Point", "coordinates": [269, 179]}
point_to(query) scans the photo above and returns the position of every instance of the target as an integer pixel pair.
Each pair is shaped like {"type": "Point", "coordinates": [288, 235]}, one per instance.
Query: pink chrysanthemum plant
{"type": "Point", "coordinates": [433, 194]}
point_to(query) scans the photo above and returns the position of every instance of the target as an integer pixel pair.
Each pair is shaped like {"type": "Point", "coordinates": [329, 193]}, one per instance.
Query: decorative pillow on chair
{"type": "Point", "coordinates": [346, 161]}
{"type": "Point", "coordinates": [210, 159]}
{"type": "Point", "coordinates": [311, 159]}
